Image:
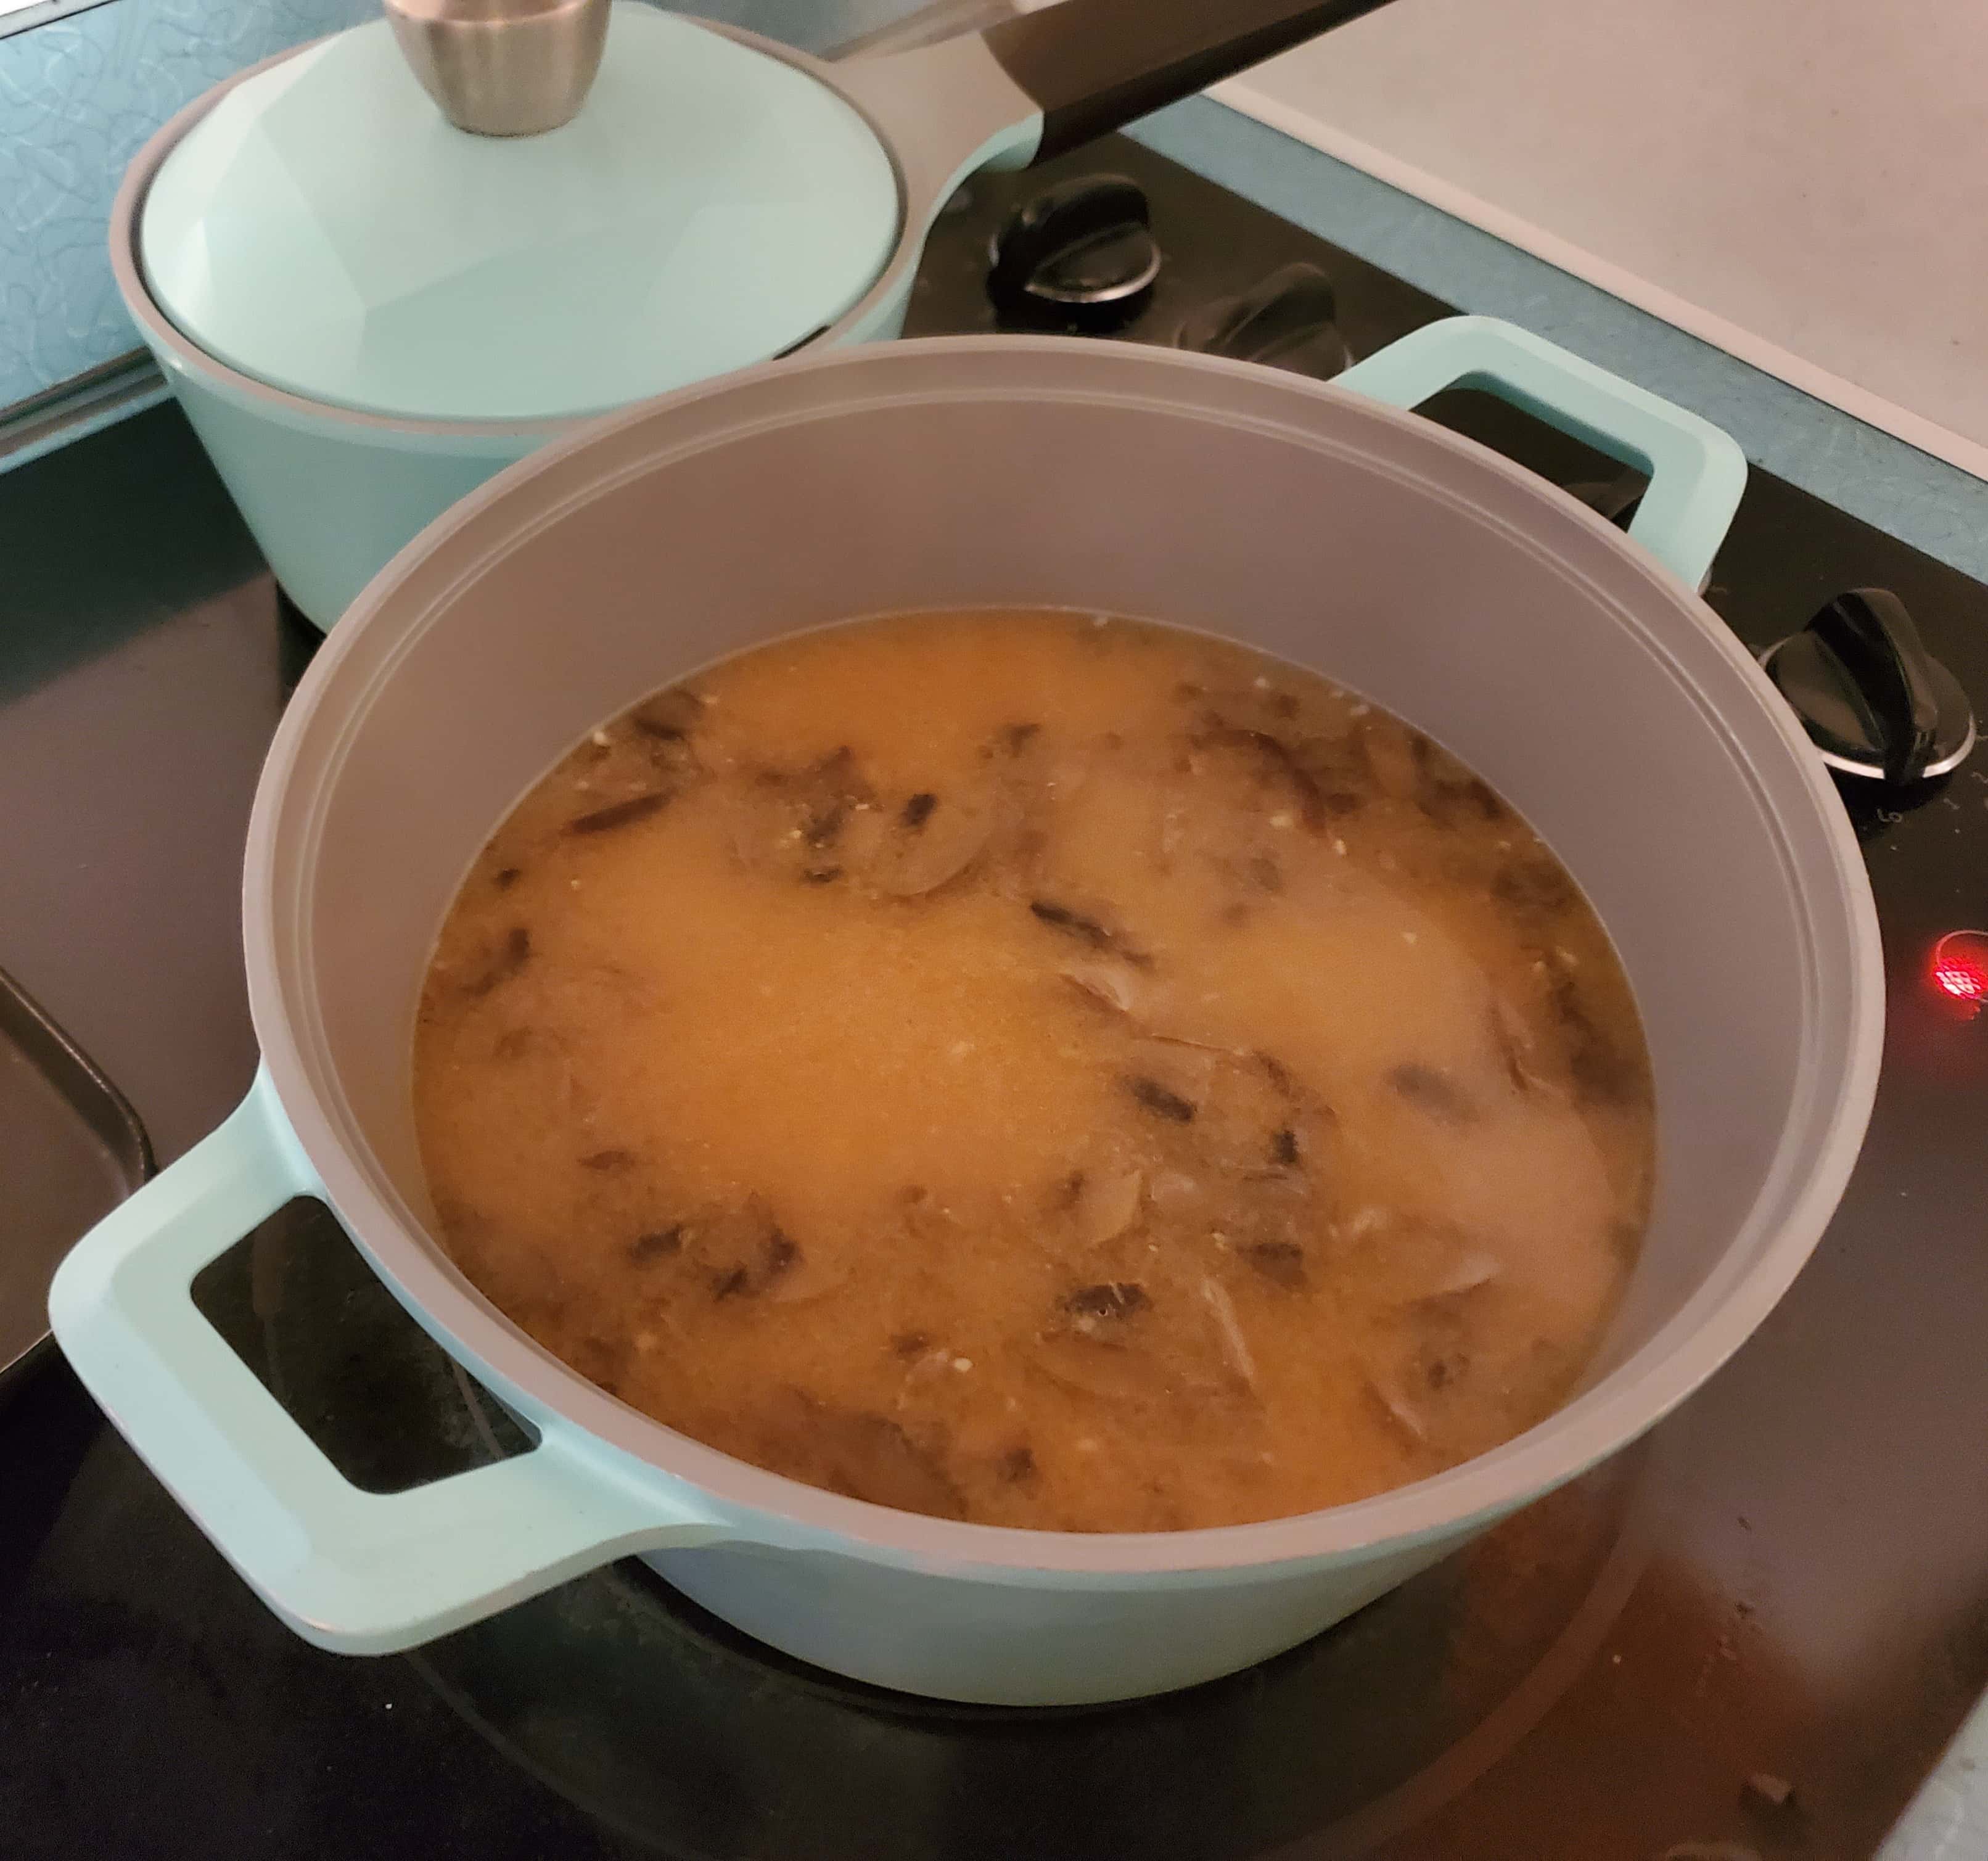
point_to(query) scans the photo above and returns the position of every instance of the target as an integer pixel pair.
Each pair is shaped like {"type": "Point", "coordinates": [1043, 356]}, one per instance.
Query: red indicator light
{"type": "Point", "coordinates": [1960, 966]}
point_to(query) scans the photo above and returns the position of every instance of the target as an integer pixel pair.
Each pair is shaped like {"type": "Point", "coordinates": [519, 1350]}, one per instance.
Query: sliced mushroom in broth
{"type": "Point", "coordinates": [1058, 1073]}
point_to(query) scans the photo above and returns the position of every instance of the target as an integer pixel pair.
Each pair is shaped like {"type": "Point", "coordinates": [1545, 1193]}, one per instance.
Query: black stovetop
{"type": "Point", "coordinates": [1786, 1583]}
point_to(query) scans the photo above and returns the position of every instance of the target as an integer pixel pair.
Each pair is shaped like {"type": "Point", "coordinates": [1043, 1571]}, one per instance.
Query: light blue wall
{"type": "Point", "coordinates": [79, 96]}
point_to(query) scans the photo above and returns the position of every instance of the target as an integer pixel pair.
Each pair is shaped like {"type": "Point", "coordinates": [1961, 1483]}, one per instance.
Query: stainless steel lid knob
{"type": "Point", "coordinates": [503, 67]}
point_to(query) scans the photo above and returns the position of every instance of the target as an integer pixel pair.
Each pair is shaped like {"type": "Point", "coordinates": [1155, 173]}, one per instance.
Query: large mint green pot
{"type": "Point", "coordinates": [1576, 668]}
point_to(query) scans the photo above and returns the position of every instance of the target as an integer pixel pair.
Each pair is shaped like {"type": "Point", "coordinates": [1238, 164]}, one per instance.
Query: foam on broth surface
{"type": "Point", "coordinates": [1046, 1071]}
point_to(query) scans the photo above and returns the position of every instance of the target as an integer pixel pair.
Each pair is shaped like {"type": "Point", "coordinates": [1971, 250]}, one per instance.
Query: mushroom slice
{"type": "Point", "coordinates": [1228, 1331]}
{"type": "Point", "coordinates": [1396, 1409]}
{"type": "Point", "coordinates": [1389, 748]}
{"type": "Point", "coordinates": [857, 1452]}
{"type": "Point", "coordinates": [933, 846]}
{"type": "Point", "coordinates": [1098, 1367]}
{"type": "Point", "coordinates": [1474, 1270]}
{"type": "Point", "coordinates": [1517, 1046]}
{"type": "Point", "coordinates": [1104, 1203]}
{"type": "Point", "coordinates": [1106, 985]}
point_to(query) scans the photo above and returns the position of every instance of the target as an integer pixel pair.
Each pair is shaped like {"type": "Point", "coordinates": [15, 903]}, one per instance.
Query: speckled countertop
{"type": "Point", "coordinates": [1915, 497]}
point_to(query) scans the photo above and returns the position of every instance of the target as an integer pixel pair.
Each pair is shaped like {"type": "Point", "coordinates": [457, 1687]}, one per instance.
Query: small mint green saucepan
{"type": "Point", "coordinates": [1575, 667]}
{"type": "Point", "coordinates": [366, 311]}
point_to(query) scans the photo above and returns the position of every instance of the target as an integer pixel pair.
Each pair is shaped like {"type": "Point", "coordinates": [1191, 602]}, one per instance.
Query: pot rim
{"type": "Point", "coordinates": [1826, 1120]}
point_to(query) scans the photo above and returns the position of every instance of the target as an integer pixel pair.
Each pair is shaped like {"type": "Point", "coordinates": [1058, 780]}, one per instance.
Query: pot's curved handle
{"type": "Point", "coordinates": [1696, 472]}
{"type": "Point", "coordinates": [1048, 78]}
{"type": "Point", "coordinates": [358, 1572]}
{"type": "Point", "coordinates": [1093, 66]}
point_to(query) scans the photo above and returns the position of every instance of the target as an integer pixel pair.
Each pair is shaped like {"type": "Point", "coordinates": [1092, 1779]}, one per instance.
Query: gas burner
{"type": "Point", "coordinates": [1290, 320]}
{"type": "Point", "coordinates": [1874, 701]}
{"type": "Point", "coordinates": [1078, 256]}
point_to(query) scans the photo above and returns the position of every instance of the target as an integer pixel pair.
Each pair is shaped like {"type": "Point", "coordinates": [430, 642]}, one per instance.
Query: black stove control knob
{"type": "Point", "coordinates": [1617, 499]}
{"type": "Point", "coordinates": [1874, 701]}
{"type": "Point", "coordinates": [1079, 252]}
{"type": "Point", "coordinates": [1290, 320]}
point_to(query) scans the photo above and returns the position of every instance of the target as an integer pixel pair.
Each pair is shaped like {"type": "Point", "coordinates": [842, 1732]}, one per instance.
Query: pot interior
{"type": "Point", "coordinates": [1483, 608]}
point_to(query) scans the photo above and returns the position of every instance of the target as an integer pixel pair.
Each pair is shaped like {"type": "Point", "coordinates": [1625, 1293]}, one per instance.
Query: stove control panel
{"type": "Point", "coordinates": [1082, 255]}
